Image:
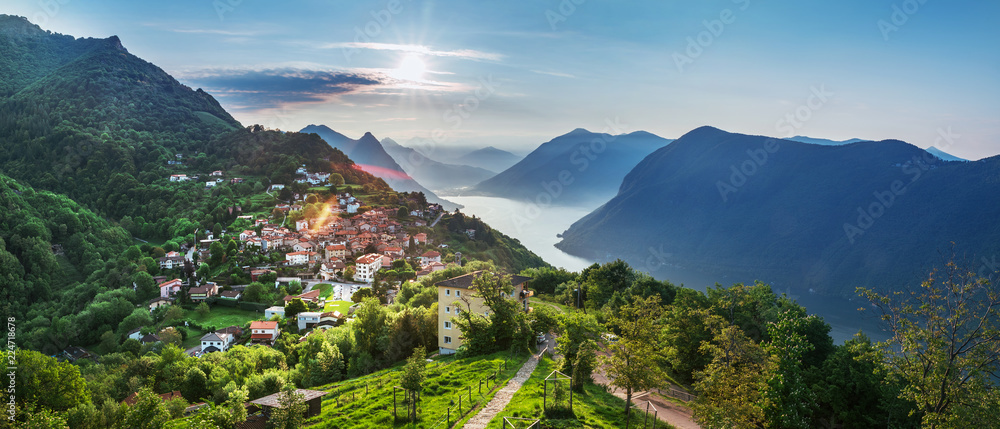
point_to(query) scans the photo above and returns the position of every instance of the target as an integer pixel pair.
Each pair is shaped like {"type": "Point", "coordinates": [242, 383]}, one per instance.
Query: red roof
{"type": "Point", "coordinates": [369, 258]}
{"type": "Point", "coordinates": [263, 325]}
{"type": "Point", "coordinates": [431, 254]}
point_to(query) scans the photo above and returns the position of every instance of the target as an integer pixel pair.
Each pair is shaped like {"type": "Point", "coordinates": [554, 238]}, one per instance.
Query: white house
{"type": "Point", "coordinates": [264, 332]}
{"type": "Point", "coordinates": [209, 184]}
{"type": "Point", "coordinates": [215, 342]}
{"type": "Point", "coordinates": [307, 319]}
{"type": "Point", "coordinates": [353, 207]}
{"type": "Point", "coordinates": [247, 234]}
{"type": "Point", "coordinates": [299, 258]}
{"type": "Point", "coordinates": [170, 288]}
{"type": "Point", "coordinates": [178, 177]}
{"type": "Point", "coordinates": [301, 224]}
{"type": "Point", "coordinates": [270, 312]}
{"type": "Point", "coordinates": [366, 267]}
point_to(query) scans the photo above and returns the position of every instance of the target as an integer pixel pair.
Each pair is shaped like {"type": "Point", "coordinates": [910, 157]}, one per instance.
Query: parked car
{"type": "Point", "coordinates": [541, 337]}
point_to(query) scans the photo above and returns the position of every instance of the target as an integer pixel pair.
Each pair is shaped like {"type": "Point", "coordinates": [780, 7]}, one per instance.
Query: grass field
{"type": "Point", "coordinates": [593, 408]}
{"type": "Point", "coordinates": [367, 402]}
{"type": "Point", "coordinates": [325, 289]}
{"type": "Point", "coordinates": [341, 306]}
{"type": "Point", "coordinates": [221, 317]}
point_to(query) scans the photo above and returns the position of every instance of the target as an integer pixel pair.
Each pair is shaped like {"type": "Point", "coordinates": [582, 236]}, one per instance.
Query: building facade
{"type": "Point", "coordinates": [455, 296]}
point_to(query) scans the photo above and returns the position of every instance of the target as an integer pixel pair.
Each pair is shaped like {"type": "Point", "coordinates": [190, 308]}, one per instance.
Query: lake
{"type": "Point", "coordinates": [536, 228]}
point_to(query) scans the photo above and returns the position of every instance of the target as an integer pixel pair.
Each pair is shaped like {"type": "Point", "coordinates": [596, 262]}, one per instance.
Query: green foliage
{"type": "Point", "coordinates": [289, 414]}
{"type": "Point", "coordinates": [505, 328]}
{"type": "Point", "coordinates": [148, 413]}
{"type": "Point", "coordinates": [45, 382]}
{"type": "Point", "coordinates": [632, 363]}
{"type": "Point", "coordinates": [294, 307]}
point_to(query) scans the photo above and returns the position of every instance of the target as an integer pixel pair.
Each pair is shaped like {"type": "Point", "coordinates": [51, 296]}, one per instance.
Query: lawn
{"type": "Point", "coordinates": [366, 402]}
{"type": "Point", "coordinates": [340, 306]}
{"type": "Point", "coordinates": [222, 317]}
{"type": "Point", "coordinates": [325, 289]}
{"type": "Point", "coordinates": [592, 408]}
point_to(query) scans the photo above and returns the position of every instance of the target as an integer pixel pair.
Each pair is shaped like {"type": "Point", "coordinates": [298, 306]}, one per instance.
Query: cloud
{"type": "Point", "coordinates": [257, 89]}
{"type": "Point", "coordinates": [551, 73]}
{"type": "Point", "coordinates": [469, 54]}
{"type": "Point", "coordinates": [219, 32]}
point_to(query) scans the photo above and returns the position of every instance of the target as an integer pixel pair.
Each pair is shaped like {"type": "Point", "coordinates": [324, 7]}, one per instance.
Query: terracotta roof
{"type": "Point", "coordinates": [263, 325]}
{"type": "Point", "coordinates": [465, 281]}
{"type": "Point", "coordinates": [431, 254]}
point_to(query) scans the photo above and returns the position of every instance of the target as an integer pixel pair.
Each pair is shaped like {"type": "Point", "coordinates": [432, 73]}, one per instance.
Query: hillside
{"type": "Point", "coordinates": [438, 176]}
{"type": "Point", "coordinates": [368, 154]}
{"type": "Point", "coordinates": [795, 222]}
{"type": "Point", "coordinates": [578, 168]}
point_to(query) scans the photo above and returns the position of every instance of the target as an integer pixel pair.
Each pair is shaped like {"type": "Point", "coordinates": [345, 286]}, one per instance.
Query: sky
{"type": "Point", "coordinates": [516, 74]}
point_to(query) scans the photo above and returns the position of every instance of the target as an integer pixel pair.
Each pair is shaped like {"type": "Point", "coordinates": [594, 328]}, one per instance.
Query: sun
{"type": "Point", "coordinates": [410, 68]}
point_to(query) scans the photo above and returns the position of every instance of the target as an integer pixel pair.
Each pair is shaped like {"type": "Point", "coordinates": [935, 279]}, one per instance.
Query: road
{"type": "Point", "coordinates": [436, 220]}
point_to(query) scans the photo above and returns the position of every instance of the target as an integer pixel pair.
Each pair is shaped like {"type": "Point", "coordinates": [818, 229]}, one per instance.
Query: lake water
{"type": "Point", "coordinates": [536, 228]}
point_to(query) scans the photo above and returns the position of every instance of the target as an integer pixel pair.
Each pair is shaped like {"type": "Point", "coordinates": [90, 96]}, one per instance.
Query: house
{"type": "Point", "coordinates": [264, 332]}
{"type": "Point", "coordinates": [160, 302]}
{"type": "Point", "coordinates": [202, 293]}
{"type": "Point", "coordinates": [366, 267]}
{"type": "Point", "coordinates": [332, 269]}
{"type": "Point", "coordinates": [272, 311]}
{"type": "Point", "coordinates": [311, 296]}
{"type": "Point", "coordinates": [171, 260]}
{"type": "Point", "coordinates": [301, 225]}
{"type": "Point", "coordinates": [210, 184]}
{"type": "Point", "coordinates": [178, 177]}
{"type": "Point", "coordinates": [230, 294]}
{"type": "Point", "coordinates": [255, 274]}
{"type": "Point", "coordinates": [393, 251]}
{"type": "Point", "coordinates": [303, 246]}
{"type": "Point", "coordinates": [336, 251]}
{"type": "Point", "coordinates": [149, 339]}
{"type": "Point", "coordinates": [353, 207]}
{"type": "Point", "coordinates": [430, 256]}
{"type": "Point", "coordinates": [216, 173]}
{"type": "Point", "coordinates": [420, 238]}
{"type": "Point", "coordinates": [307, 319]}
{"type": "Point", "coordinates": [134, 334]}
{"type": "Point", "coordinates": [312, 399]}
{"type": "Point", "coordinates": [215, 342]}
{"type": "Point", "coordinates": [247, 234]}
{"type": "Point", "coordinates": [276, 187]}
{"type": "Point", "coordinates": [236, 180]}
{"type": "Point", "coordinates": [300, 258]}
{"type": "Point", "coordinates": [170, 288]}
{"type": "Point", "coordinates": [74, 353]}
{"type": "Point", "coordinates": [454, 296]}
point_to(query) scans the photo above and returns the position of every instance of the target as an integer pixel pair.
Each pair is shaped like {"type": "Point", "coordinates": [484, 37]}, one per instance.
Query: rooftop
{"type": "Point", "coordinates": [272, 400]}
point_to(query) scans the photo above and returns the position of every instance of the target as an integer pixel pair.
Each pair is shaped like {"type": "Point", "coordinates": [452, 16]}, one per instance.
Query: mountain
{"type": "Point", "coordinates": [829, 218]}
{"type": "Point", "coordinates": [438, 176]}
{"type": "Point", "coordinates": [944, 156]}
{"type": "Point", "coordinates": [824, 142]}
{"type": "Point", "coordinates": [368, 153]}
{"type": "Point", "coordinates": [489, 158]}
{"type": "Point", "coordinates": [577, 168]}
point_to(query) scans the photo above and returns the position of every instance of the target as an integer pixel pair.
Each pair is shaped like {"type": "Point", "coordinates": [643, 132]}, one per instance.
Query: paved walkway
{"type": "Point", "coordinates": [502, 398]}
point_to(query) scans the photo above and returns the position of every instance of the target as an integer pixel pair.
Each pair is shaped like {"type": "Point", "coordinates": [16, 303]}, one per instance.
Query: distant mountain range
{"type": "Point", "coordinates": [577, 168]}
{"type": "Point", "coordinates": [799, 216]}
{"type": "Point", "coordinates": [944, 156]}
{"type": "Point", "coordinates": [438, 176]}
{"type": "Point", "coordinates": [368, 153]}
{"type": "Point", "coordinates": [488, 158]}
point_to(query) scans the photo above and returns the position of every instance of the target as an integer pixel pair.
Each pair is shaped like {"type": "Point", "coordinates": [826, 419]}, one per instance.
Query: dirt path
{"type": "Point", "coordinates": [667, 411]}
{"type": "Point", "coordinates": [503, 396]}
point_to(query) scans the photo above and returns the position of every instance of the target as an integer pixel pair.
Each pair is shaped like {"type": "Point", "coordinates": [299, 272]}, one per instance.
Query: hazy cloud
{"type": "Point", "coordinates": [469, 54]}
{"type": "Point", "coordinates": [267, 88]}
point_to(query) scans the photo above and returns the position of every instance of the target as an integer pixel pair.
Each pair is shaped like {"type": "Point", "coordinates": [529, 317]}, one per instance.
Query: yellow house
{"type": "Point", "coordinates": [455, 295]}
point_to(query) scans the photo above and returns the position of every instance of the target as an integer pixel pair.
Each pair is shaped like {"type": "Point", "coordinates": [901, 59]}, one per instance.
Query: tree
{"type": "Point", "coordinates": [229, 413]}
{"type": "Point", "coordinates": [204, 272]}
{"type": "Point", "coordinates": [217, 254]}
{"type": "Point", "coordinates": [145, 286]}
{"type": "Point", "coordinates": [291, 409]}
{"type": "Point", "coordinates": [336, 179]}
{"type": "Point", "coordinates": [349, 273]}
{"type": "Point", "coordinates": [731, 387]}
{"type": "Point", "coordinates": [370, 329]}
{"type": "Point", "coordinates": [584, 364]}
{"type": "Point", "coordinates": [170, 335]}
{"type": "Point", "coordinates": [195, 386]}
{"type": "Point", "coordinates": [945, 345]}
{"type": "Point", "coordinates": [48, 383]}
{"type": "Point", "coordinates": [254, 292]}
{"type": "Point", "coordinates": [632, 364]}
{"type": "Point", "coordinates": [575, 329]}
{"type": "Point", "coordinates": [413, 377]}
{"type": "Point", "coordinates": [203, 309]}
{"type": "Point", "coordinates": [174, 312]}
{"type": "Point", "coordinates": [295, 307]}
{"type": "Point", "coordinates": [362, 294]}
{"type": "Point", "coordinates": [149, 412]}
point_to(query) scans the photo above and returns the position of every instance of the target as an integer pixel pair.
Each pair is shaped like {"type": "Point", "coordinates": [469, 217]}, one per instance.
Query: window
{"type": "Point", "coordinates": [447, 325]}
{"type": "Point", "coordinates": [458, 293]}
{"type": "Point", "coordinates": [447, 340]}
{"type": "Point", "coordinates": [447, 309]}
{"type": "Point", "coordinates": [487, 314]}
{"type": "Point", "coordinates": [447, 292]}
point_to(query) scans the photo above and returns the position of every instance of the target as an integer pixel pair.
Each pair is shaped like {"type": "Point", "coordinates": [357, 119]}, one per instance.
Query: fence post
{"type": "Point", "coordinates": [449, 416]}
{"type": "Point", "coordinates": [459, 404]}
{"type": "Point", "coordinates": [480, 386]}
{"type": "Point", "coordinates": [645, 416]}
